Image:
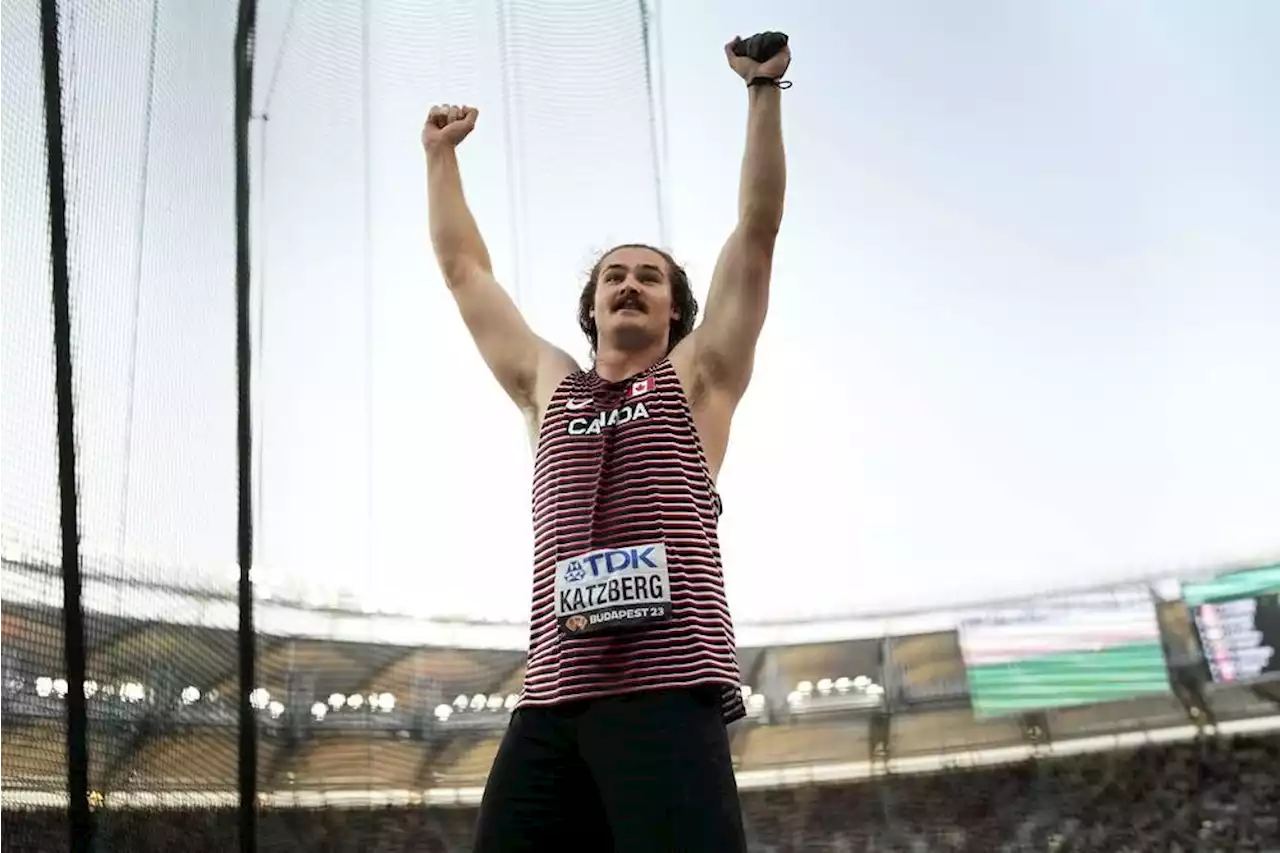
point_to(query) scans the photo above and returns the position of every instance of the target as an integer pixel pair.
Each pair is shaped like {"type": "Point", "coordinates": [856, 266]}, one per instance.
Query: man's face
{"type": "Point", "coordinates": [633, 305]}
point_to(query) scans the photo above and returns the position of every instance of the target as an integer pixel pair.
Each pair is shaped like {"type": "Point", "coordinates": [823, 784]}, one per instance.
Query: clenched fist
{"type": "Point", "coordinates": [448, 125]}
{"type": "Point", "coordinates": [764, 55]}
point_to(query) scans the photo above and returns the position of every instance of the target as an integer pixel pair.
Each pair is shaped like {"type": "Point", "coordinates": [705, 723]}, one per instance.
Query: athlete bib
{"type": "Point", "coordinates": [612, 588]}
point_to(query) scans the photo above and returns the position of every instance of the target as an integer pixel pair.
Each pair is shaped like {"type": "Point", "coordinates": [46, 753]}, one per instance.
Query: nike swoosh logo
{"type": "Point", "coordinates": [575, 405]}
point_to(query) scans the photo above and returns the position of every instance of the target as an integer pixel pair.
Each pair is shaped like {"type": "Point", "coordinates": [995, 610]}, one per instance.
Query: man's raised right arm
{"type": "Point", "coordinates": [527, 367]}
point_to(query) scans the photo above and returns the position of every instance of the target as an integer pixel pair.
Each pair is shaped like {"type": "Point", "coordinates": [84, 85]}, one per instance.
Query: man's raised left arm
{"type": "Point", "coordinates": [738, 299]}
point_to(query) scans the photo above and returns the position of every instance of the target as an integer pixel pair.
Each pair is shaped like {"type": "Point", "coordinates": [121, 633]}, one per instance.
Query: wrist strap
{"type": "Point", "coordinates": [768, 81]}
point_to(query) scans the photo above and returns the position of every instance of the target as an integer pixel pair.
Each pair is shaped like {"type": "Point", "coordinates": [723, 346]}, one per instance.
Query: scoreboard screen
{"type": "Point", "coordinates": [1077, 649]}
{"type": "Point", "coordinates": [1240, 637]}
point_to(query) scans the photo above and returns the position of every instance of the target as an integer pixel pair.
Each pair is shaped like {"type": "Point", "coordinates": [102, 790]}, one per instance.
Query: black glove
{"type": "Point", "coordinates": [761, 47]}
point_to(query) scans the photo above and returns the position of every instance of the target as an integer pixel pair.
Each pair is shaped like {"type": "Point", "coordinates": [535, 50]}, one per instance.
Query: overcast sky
{"type": "Point", "coordinates": [1022, 337]}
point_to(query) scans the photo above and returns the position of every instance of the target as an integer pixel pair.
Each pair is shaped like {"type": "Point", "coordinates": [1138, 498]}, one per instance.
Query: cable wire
{"type": "Point", "coordinates": [264, 135]}
{"type": "Point", "coordinates": [648, 23]}
{"type": "Point", "coordinates": [511, 127]}
{"type": "Point", "coordinates": [122, 531]}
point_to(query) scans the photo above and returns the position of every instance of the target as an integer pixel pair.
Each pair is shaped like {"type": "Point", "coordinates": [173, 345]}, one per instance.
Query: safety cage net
{"type": "Point", "coordinates": [186, 184]}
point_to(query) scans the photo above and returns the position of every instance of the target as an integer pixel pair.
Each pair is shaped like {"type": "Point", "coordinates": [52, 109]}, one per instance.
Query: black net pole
{"type": "Point", "coordinates": [80, 818]}
{"type": "Point", "coordinates": [244, 433]}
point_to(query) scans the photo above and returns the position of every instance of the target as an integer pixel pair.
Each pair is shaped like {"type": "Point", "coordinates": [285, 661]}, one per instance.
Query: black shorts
{"type": "Point", "coordinates": [646, 772]}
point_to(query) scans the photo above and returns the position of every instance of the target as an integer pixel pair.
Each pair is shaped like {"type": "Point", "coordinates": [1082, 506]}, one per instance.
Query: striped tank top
{"type": "Point", "coordinates": [628, 593]}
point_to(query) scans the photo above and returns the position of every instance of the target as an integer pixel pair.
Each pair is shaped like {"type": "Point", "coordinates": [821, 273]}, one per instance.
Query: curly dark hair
{"type": "Point", "coordinates": [681, 295]}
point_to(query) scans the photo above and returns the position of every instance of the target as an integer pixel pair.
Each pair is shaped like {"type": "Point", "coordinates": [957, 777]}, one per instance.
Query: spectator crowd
{"type": "Point", "coordinates": [1211, 796]}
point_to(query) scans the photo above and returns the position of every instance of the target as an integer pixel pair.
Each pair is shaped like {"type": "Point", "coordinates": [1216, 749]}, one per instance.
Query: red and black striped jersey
{"type": "Point", "coordinates": [628, 591]}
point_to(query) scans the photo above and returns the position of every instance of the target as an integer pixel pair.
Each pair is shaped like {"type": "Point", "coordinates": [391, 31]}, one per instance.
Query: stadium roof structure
{"type": "Point", "coordinates": [204, 598]}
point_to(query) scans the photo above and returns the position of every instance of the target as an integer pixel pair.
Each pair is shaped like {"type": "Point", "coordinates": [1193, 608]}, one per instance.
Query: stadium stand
{"type": "Point", "coordinates": [1207, 795]}
{"type": "Point", "coordinates": [851, 745]}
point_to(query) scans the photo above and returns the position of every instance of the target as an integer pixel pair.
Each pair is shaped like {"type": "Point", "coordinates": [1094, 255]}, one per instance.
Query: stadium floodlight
{"type": "Point", "coordinates": [337, 700]}
{"type": "Point", "coordinates": [90, 688]}
{"type": "Point", "coordinates": [276, 709]}
{"type": "Point", "coordinates": [44, 686]}
{"type": "Point", "coordinates": [478, 702]}
{"type": "Point", "coordinates": [874, 690]}
{"type": "Point", "coordinates": [1168, 589]}
{"type": "Point", "coordinates": [375, 702]}
{"type": "Point", "coordinates": [746, 692]}
{"type": "Point", "coordinates": [190, 695]}
{"type": "Point", "coordinates": [825, 685]}
{"type": "Point", "coordinates": [461, 702]}
{"type": "Point", "coordinates": [756, 701]}
{"type": "Point", "coordinates": [805, 687]}
{"type": "Point", "coordinates": [259, 698]}
{"type": "Point", "coordinates": [388, 702]}
{"type": "Point", "coordinates": [862, 682]}
{"type": "Point", "coordinates": [443, 712]}
{"type": "Point", "coordinates": [795, 697]}
{"type": "Point", "coordinates": [318, 710]}
{"type": "Point", "coordinates": [495, 702]}
{"type": "Point", "coordinates": [512, 699]}
{"type": "Point", "coordinates": [355, 700]}
{"type": "Point", "coordinates": [843, 684]}
{"type": "Point", "coordinates": [132, 691]}
{"type": "Point", "coordinates": [60, 687]}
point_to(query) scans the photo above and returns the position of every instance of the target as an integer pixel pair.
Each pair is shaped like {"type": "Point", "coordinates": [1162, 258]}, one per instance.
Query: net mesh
{"type": "Point", "coordinates": [376, 731]}
{"type": "Point", "coordinates": [150, 216]}
{"type": "Point", "coordinates": [149, 184]}
{"type": "Point", "coordinates": [342, 92]}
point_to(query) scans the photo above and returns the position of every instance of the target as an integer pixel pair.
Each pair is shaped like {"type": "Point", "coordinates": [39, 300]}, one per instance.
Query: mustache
{"type": "Point", "coordinates": [629, 300]}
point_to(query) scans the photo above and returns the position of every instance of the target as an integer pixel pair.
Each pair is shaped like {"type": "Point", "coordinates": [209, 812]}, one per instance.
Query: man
{"type": "Point", "coordinates": [619, 740]}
